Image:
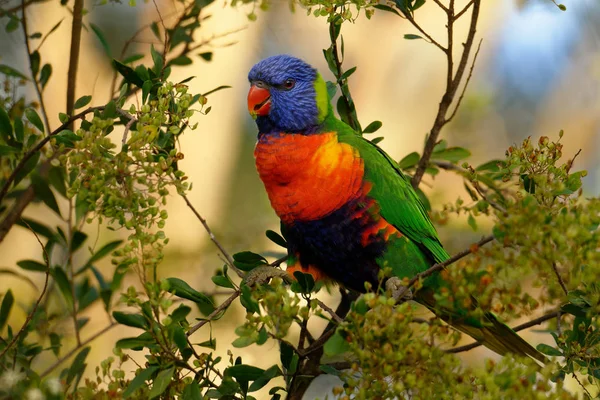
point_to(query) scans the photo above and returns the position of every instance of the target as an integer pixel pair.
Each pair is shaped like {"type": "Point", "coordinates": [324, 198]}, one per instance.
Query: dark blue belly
{"type": "Point", "coordinates": [334, 245]}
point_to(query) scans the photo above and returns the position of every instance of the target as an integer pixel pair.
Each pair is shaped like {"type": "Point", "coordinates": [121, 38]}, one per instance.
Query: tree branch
{"type": "Point", "coordinates": [76, 349]}
{"type": "Point", "coordinates": [439, 266]}
{"type": "Point", "coordinates": [452, 83]}
{"type": "Point", "coordinates": [213, 314]}
{"type": "Point", "coordinates": [74, 55]}
{"type": "Point", "coordinates": [37, 303]}
{"type": "Point", "coordinates": [213, 238]}
{"type": "Point", "coordinates": [36, 84]}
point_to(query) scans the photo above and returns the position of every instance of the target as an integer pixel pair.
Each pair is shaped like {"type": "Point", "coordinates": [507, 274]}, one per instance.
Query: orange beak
{"type": "Point", "coordinates": [259, 101]}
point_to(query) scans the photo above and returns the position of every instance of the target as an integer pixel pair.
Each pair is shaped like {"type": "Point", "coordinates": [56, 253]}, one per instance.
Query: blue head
{"type": "Point", "coordinates": [286, 95]}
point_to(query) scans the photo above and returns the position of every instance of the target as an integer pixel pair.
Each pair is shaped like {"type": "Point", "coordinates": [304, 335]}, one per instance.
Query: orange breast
{"type": "Point", "coordinates": [308, 176]}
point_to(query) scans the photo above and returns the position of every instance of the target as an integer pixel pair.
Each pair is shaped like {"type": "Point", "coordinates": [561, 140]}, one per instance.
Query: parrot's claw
{"type": "Point", "coordinates": [261, 275]}
{"type": "Point", "coordinates": [398, 290]}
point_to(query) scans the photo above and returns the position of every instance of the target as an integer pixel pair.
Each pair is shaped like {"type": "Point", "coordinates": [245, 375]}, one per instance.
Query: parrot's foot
{"type": "Point", "coordinates": [398, 290]}
{"type": "Point", "coordinates": [261, 275]}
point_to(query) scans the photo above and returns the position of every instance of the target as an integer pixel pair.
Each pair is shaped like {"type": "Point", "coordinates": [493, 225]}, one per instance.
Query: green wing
{"type": "Point", "coordinates": [400, 204]}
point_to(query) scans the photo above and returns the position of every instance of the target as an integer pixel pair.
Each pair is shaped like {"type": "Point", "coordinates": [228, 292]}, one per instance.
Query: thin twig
{"type": "Point", "coordinates": [582, 386]}
{"type": "Point", "coordinates": [452, 83]}
{"type": "Point", "coordinates": [410, 18]}
{"type": "Point", "coordinates": [74, 54]}
{"type": "Point", "coordinates": [213, 314]}
{"type": "Point", "coordinates": [329, 310]}
{"type": "Point", "coordinates": [464, 10]}
{"type": "Point", "coordinates": [37, 303]}
{"type": "Point", "coordinates": [439, 266]}
{"type": "Point", "coordinates": [76, 349]}
{"type": "Point", "coordinates": [560, 279]}
{"type": "Point", "coordinates": [36, 83]}
{"type": "Point", "coordinates": [529, 324]}
{"type": "Point", "coordinates": [462, 94]}
{"type": "Point", "coordinates": [213, 238]}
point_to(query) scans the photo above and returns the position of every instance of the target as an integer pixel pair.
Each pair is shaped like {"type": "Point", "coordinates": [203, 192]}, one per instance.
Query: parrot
{"type": "Point", "coordinates": [346, 208]}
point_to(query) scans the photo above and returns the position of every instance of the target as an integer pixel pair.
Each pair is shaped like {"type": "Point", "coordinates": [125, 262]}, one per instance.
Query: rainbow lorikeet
{"type": "Point", "coordinates": [346, 208]}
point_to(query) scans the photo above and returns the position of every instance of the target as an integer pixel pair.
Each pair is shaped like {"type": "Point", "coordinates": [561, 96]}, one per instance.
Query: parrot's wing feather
{"type": "Point", "coordinates": [400, 204]}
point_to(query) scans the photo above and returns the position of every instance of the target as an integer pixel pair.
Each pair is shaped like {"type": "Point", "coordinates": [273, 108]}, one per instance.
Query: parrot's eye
{"type": "Point", "coordinates": [288, 84]}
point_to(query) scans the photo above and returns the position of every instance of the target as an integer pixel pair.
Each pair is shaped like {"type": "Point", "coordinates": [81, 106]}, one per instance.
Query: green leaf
{"type": "Point", "coordinates": [180, 313]}
{"type": "Point", "coordinates": [161, 382]}
{"type": "Point", "coordinates": [409, 160]}
{"type": "Point", "coordinates": [34, 118]}
{"type": "Point", "coordinates": [136, 343]}
{"type": "Point", "coordinates": [78, 366]}
{"type": "Point", "coordinates": [128, 73]}
{"type": "Point", "coordinates": [7, 303]}
{"type": "Point", "coordinates": [452, 154]}
{"type": "Point", "coordinates": [276, 238]}
{"type": "Point", "coordinates": [10, 71]}
{"type": "Point", "coordinates": [211, 344]}
{"type": "Point", "coordinates": [156, 30]}
{"type": "Point", "coordinates": [181, 289]}
{"type": "Point", "coordinates": [247, 301]}
{"type": "Point", "coordinates": [548, 350]}
{"type": "Point", "coordinates": [133, 58]}
{"type": "Point", "coordinates": [243, 341]}
{"type": "Point", "coordinates": [56, 177]}
{"type": "Point", "coordinates": [411, 36]}
{"type": "Point", "coordinates": [43, 192]}
{"type": "Point", "coordinates": [328, 369]}
{"type": "Point", "coordinates": [528, 183]}
{"type": "Point", "coordinates": [180, 338]}
{"type": "Point", "coordinates": [472, 223]}
{"type": "Point", "coordinates": [336, 345]}
{"type": "Point", "coordinates": [27, 168]}
{"type": "Point", "coordinates": [19, 131]}
{"type": "Point", "coordinates": [491, 166]}
{"type": "Point", "coordinates": [55, 343]}
{"type": "Point", "coordinates": [191, 392]}
{"type": "Point", "coordinates": [34, 59]}
{"type": "Point", "coordinates": [37, 227]}
{"type": "Point", "coordinates": [265, 378]}
{"type": "Point", "coordinates": [45, 75]}
{"type": "Point", "coordinates": [306, 282]}
{"type": "Point", "coordinates": [245, 373]}
{"type": "Point", "coordinates": [63, 284]}
{"type": "Point", "coordinates": [101, 38]}
{"type": "Point", "coordinates": [32, 265]}
{"type": "Point", "coordinates": [54, 28]}
{"type": "Point", "coordinates": [158, 60]}
{"type": "Point", "coordinates": [7, 150]}
{"type": "Point", "coordinates": [216, 90]}
{"type": "Point", "coordinates": [104, 251]}
{"type": "Point", "coordinates": [82, 102]}
{"type": "Point", "coordinates": [383, 7]}
{"type": "Point", "coordinates": [347, 74]}
{"type": "Point", "coordinates": [6, 129]}
{"type": "Point", "coordinates": [12, 25]}
{"type": "Point", "coordinates": [139, 380]}
{"type": "Point", "coordinates": [207, 56]}
{"type": "Point", "coordinates": [134, 320]}
{"type": "Point", "coordinates": [223, 281]}
{"type": "Point", "coordinates": [181, 60]}
{"type": "Point", "coordinates": [247, 260]}
{"type": "Point", "coordinates": [372, 127]}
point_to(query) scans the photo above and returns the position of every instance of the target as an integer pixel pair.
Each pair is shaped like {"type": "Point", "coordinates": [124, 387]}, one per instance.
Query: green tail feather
{"type": "Point", "coordinates": [498, 337]}
{"type": "Point", "coordinates": [492, 333]}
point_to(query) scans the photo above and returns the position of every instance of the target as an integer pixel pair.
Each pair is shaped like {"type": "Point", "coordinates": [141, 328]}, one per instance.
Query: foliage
{"type": "Point", "coordinates": [119, 168]}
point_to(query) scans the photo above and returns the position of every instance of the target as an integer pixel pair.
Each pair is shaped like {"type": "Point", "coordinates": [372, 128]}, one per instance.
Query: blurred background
{"type": "Point", "coordinates": [538, 72]}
